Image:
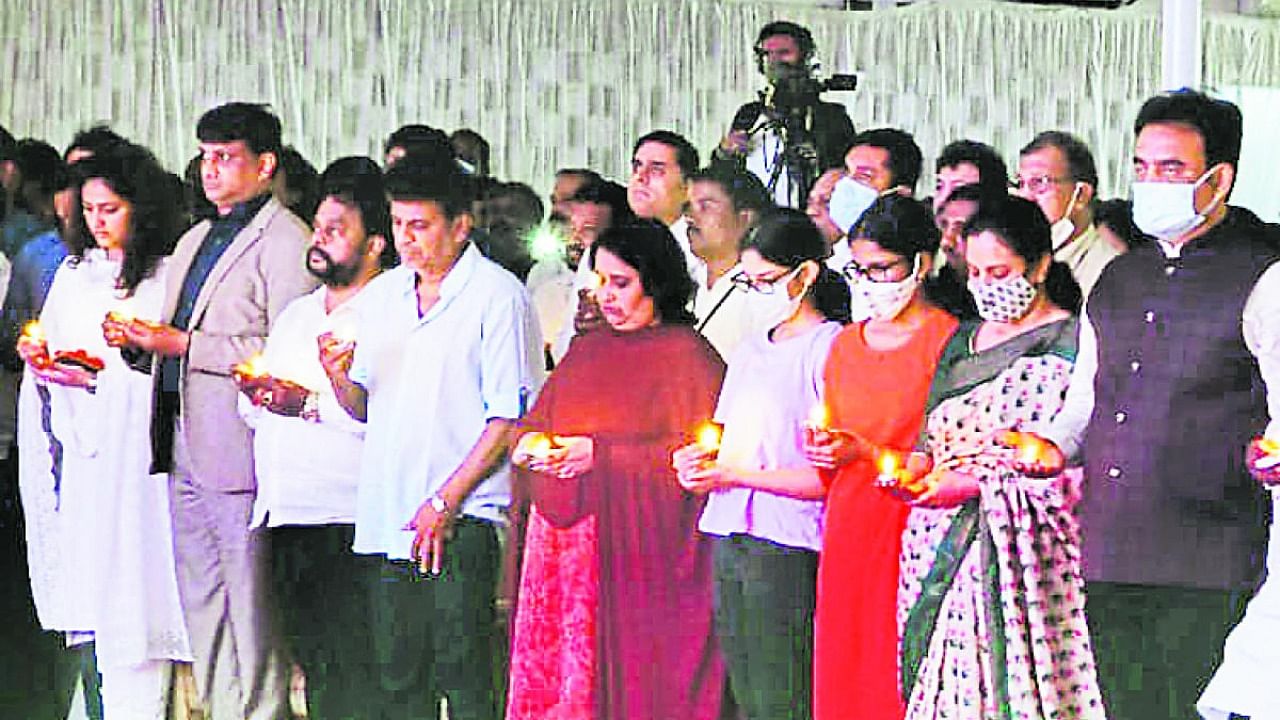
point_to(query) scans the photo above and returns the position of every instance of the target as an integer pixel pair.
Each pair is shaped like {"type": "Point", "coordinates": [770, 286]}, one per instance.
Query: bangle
{"type": "Point", "coordinates": [311, 408]}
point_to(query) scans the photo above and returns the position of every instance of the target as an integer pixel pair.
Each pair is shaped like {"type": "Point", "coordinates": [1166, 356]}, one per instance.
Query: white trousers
{"type": "Point", "coordinates": [136, 692]}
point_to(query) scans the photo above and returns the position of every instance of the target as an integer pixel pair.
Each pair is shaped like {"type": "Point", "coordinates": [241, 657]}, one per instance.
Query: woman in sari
{"type": "Point", "coordinates": [875, 382]}
{"type": "Point", "coordinates": [614, 612]}
{"type": "Point", "coordinates": [100, 541]}
{"type": "Point", "coordinates": [991, 601]}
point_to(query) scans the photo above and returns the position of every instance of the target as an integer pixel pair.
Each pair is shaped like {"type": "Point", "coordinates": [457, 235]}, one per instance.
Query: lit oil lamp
{"type": "Point", "coordinates": [891, 469]}
{"type": "Point", "coordinates": [819, 417]}
{"type": "Point", "coordinates": [254, 367]}
{"type": "Point", "coordinates": [344, 331]}
{"type": "Point", "coordinates": [1033, 454]}
{"type": "Point", "coordinates": [595, 281]}
{"type": "Point", "coordinates": [33, 331]}
{"type": "Point", "coordinates": [1270, 457]}
{"type": "Point", "coordinates": [708, 437]}
{"type": "Point", "coordinates": [540, 445]}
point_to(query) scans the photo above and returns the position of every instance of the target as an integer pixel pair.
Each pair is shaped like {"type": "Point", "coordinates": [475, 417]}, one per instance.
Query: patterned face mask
{"type": "Point", "coordinates": [1004, 300]}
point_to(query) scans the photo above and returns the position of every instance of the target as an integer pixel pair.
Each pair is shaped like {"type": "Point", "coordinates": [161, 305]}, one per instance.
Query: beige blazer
{"type": "Point", "coordinates": [261, 271]}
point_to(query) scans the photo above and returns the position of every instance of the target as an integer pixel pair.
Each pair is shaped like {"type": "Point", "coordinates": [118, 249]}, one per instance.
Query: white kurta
{"type": "Point", "coordinates": [101, 544]}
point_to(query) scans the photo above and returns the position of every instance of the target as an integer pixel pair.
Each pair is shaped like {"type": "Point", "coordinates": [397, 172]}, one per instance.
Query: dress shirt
{"type": "Point", "coordinates": [222, 231]}
{"type": "Point", "coordinates": [1086, 254]}
{"type": "Point", "coordinates": [1260, 323]}
{"type": "Point", "coordinates": [307, 471]}
{"type": "Point", "coordinates": [725, 312]}
{"type": "Point", "coordinates": [433, 382]}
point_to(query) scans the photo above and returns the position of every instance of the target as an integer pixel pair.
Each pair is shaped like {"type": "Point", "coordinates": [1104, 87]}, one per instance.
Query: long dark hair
{"type": "Point", "coordinates": [133, 173]}
{"type": "Point", "coordinates": [650, 248]}
{"type": "Point", "coordinates": [1022, 227]}
{"type": "Point", "coordinates": [787, 237]}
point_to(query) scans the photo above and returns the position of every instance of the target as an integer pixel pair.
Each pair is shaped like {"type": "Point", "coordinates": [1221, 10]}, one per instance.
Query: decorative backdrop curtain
{"type": "Point", "coordinates": [573, 82]}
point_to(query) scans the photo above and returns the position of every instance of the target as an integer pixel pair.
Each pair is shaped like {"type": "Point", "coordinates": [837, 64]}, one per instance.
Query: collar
{"type": "Point", "coordinates": [241, 213]}
{"type": "Point", "coordinates": [453, 283]}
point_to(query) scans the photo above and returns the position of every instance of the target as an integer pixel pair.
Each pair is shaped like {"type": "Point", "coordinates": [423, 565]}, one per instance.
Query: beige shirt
{"type": "Point", "coordinates": [1086, 255]}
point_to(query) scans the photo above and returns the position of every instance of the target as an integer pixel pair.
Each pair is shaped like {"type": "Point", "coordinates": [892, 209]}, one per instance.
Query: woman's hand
{"type": "Point", "coordinates": [35, 353]}
{"type": "Point", "coordinates": [829, 449]}
{"type": "Point", "coordinates": [946, 488]}
{"type": "Point", "coordinates": [1034, 455]}
{"type": "Point", "coordinates": [571, 456]}
{"type": "Point", "coordinates": [697, 470]}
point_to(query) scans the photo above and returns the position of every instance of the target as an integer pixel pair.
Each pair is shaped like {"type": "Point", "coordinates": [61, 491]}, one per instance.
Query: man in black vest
{"type": "Point", "coordinates": [788, 137]}
{"type": "Point", "coordinates": [1180, 348]}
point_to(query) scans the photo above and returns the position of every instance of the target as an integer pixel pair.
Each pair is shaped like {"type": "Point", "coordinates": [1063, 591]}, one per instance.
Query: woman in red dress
{"type": "Point", "coordinates": [875, 384]}
{"type": "Point", "coordinates": [614, 612]}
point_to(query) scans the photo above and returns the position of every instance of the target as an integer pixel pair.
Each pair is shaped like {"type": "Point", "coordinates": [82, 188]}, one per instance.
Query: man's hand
{"type": "Point", "coordinates": [163, 340]}
{"type": "Point", "coordinates": [735, 143]}
{"type": "Point", "coordinates": [336, 356]}
{"type": "Point", "coordinates": [275, 395]}
{"type": "Point", "coordinates": [431, 530]}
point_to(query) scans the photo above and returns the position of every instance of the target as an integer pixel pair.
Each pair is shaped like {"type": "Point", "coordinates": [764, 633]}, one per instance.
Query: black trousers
{"type": "Point", "coordinates": [765, 599]}
{"type": "Point", "coordinates": [434, 636]}
{"type": "Point", "coordinates": [1157, 647]}
{"type": "Point", "coordinates": [318, 591]}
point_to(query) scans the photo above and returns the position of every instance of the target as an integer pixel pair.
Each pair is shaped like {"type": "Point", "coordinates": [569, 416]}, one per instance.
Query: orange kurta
{"type": "Point", "coordinates": [881, 396]}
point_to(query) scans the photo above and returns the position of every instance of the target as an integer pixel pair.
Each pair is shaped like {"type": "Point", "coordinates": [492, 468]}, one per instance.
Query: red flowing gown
{"type": "Point", "coordinates": [880, 395]}
{"type": "Point", "coordinates": [614, 615]}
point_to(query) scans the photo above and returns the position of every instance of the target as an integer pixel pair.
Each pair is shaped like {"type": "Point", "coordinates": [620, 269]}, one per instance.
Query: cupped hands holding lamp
{"type": "Point", "coordinates": [99, 408]}
{"type": "Point", "coordinates": [611, 547]}
{"type": "Point", "coordinates": [764, 507]}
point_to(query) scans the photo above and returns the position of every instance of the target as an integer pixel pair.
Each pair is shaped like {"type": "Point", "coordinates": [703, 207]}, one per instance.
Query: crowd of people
{"type": "Point", "coordinates": [675, 451]}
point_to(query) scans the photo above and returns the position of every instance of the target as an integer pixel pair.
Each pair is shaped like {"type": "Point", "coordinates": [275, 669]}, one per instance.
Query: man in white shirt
{"type": "Point", "coordinates": [661, 163]}
{"type": "Point", "coordinates": [724, 204]}
{"type": "Point", "coordinates": [307, 449]}
{"type": "Point", "coordinates": [446, 359]}
{"type": "Point", "coordinates": [1178, 368]}
{"type": "Point", "coordinates": [1056, 171]}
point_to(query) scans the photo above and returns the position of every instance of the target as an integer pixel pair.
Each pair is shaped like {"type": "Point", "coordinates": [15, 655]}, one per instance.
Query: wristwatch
{"type": "Point", "coordinates": [438, 504]}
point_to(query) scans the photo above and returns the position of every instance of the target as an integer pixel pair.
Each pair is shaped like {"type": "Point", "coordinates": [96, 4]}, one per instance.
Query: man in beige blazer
{"type": "Point", "coordinates": [228, 279]}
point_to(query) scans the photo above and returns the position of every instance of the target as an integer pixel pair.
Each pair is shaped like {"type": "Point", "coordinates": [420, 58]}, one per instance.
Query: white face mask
{"type": "Point", "coordinates": [1167, 210]}
{"type": "Point", "coordinates": [1063, 229]}
{"type": "Point", "coordinates": [777, 307]}
{"type": "Point", "coordinates": [884, 300]}
{"type": "Point", "coordinates": [1004, 300]}
{"type": "Point", "coordinates": [849, 199]}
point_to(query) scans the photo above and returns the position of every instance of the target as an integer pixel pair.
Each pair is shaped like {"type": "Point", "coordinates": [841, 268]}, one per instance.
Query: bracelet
{"type": "Point", "coordinates": [311, 408]}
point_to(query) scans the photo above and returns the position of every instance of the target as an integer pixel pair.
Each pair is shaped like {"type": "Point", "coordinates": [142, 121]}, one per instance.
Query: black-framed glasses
{"type": "Point", "coordinates": [1038, 184]}
{"type": "Point", "coordinates": [760, 285]}
{"type": "Point", "coordinates": [880, 272]}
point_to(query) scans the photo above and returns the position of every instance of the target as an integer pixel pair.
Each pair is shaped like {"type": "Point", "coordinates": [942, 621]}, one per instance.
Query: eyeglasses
{"type": "Point", "coordinates": [760, 285]}
{"type": "Point", "coordinates": [1040, 184]}
{"type": "Point", "coordinates": [882, 273]}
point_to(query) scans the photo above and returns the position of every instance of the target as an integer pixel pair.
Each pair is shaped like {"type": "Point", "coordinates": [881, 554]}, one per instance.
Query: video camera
{"type": "Point", "coordinates": [793, 88]}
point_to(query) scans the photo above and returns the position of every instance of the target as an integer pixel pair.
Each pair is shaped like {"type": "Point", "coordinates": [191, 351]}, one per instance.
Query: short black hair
{"type": "Point", "coordinates": [606, 192]}
{"type": "Point", "coordinates": [419, 178]}
{"type": "Point", "coordinates": [649, 247]}
{"type": "Point", "coordinates": [686, 153]}
{"type": "Point", "coordinates": [93, 139]}
{"type": "Point", "coordinates": [7, 144]}
{"type": "Point", "coordinates": [799, 33]}
{"type": "Point", "coordinates": [586, 174]}
{"type": "Point", "coordinates": [357, 182]}
{"type": "Point", "coordinates": [976, 193]}
{"type": "Point", "coordinates": [470, 147]}
{"type": "Point", "coordinates": [41, 171]}
{"type": "Point", "coordinates": [420, 139]}
{"type": "Point", "coordinates": [992, 171]}
{"type": "Point", "coordinates": [1079, 159]}
{"type": "Point", "coordinates": [253, 123]}
{"type": "Point", "coordinates": [1218, 122]}
{"type": "Point", "coordinates": [299, 177]}
{"type": "Point", "coordinates": [905, 159]}
{"type": "Point", "coordinates": [744, 189]}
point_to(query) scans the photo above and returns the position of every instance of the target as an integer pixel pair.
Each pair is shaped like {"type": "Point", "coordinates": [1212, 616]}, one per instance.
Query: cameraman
{"type": "Point", "coordinates": [788, 136]}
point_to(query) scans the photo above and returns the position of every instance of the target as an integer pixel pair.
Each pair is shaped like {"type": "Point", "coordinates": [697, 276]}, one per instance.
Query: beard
{"type": "Point", "coordinates": [330, 272]}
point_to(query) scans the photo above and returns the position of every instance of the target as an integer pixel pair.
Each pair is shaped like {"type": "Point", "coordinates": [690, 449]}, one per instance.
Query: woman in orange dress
{"type": "Point", "coordinates": [876, 382]}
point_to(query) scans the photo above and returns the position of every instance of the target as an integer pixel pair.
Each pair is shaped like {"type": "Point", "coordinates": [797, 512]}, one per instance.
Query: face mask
{"type": "Point", "coordinates": [849, 199]}
{"type": "Point", "coordinates": [884, 300]}
{"type": "Point", "coordinates": [777, 307]}
{"type": "Point", "coordinates": [1062, 230]}
{"type": "Point", "coordinates": [1005, 300]}
{"type": "Point", "coordinates": [1167, 210]}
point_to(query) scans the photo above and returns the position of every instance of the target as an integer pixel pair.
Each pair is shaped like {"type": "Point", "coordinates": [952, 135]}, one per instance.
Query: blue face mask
{"type": "Point", "coordinates": [849, 200]}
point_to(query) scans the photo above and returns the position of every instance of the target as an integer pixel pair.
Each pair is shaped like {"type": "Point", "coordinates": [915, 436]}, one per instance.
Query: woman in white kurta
{"type": "Point", "coordinates": [101, 546]}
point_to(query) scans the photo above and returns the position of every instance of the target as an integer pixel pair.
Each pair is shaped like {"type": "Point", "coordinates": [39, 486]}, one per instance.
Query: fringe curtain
{"type": "Point", "coordinates": [556, 83]}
